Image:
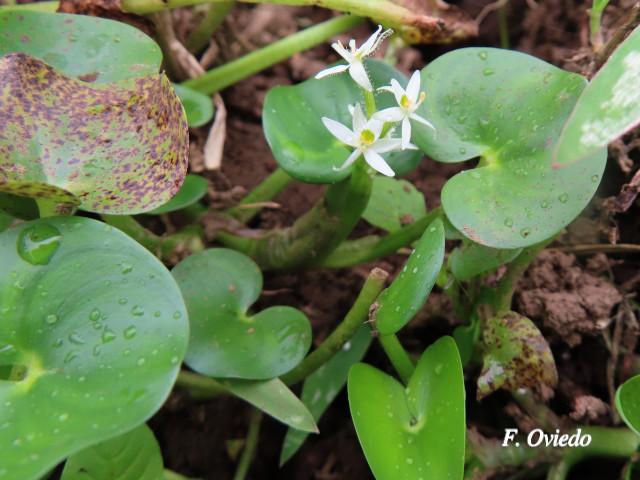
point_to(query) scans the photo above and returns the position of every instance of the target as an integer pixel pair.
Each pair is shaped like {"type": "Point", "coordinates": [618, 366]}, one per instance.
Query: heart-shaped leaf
{"type": "Point", "coordinates": [515, 355]}
{"type": "Point", "coordinates": [93, 329]}
{"type": "Point", "coordinates": [88, 48]}
{"type": "Point", "coordinates": [19, 207]}
{"type": "Point", "coordinates": [393, 203]}
{"type": "Point", "coordinates": [132, 456]}
{"type": "Point", "coordinates": [115, 148]}
{"type": "Point", "coordinates": [275, 399]}
{"type": "Point", "coordinates": [508, 108]}
{"type": "Point", "coordinates": [193, 189]}
{"type": "Point", "coordinates": [219, 286]}
{"type": "Point", "coordinates": [198, 106]}
{"type": "Point", "coordinates": [417, 432]}
{"type": "Point", "coordinates": [472, 259]}
{"type": "Point", "coordinates": [399, 303]}
{"type": "Point", "coordinates": [608, 107]}
{"type": "Point", "coordinates": [323, 386]}
{"type": "Point", "coordinates": [302, 145]}
{"type": "Point", "coordinates": [628, 403]}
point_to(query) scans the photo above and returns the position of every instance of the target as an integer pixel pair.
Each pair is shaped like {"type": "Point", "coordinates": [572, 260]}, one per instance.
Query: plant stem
{"type": "Point", "coordinates": [344, 331]}
{"type": "Point", "coordinates": [200, 36]}
{"type": "Point", "coordinates": [633, 19]}
{"type": "Point", "coordinates": [369, 103]}
{"type": "Point", "coordinates": [266, 190]}
{"type": "Point", "coordinates": [251, 445]}
{"type": "Point", "coordinates": [47, 208]}
{"type": "Point", "coordinates": [503, 25]}
{"type": "Point", "coordinates": [221, 77]}
{"type": "Point", "coordinates": [398, 356]}
{"type": "Point", "coordinates": [372, 247]}
{"type": "Point", "coordinates": [200, 386]}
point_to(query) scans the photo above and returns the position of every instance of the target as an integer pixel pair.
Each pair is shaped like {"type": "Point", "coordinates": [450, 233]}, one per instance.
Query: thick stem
{"type": "Point", "coordinates": [398, 356]}
{"type": "Point", "coordinates": [352, 321]}
{"type": "Point", "coordinates": [241, 68]}
{"type": "Point", "coordinates": [200, 36]}
{"type": "Point", "coordinates": [251, 445]}
{"type": "Point", "coordinates": [269, 188]}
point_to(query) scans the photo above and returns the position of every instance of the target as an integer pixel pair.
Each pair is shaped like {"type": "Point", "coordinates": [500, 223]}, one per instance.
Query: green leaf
{"type": "Point", "coordinates": [302, 145]}
{"type": "Point", "coordinates": [472, 259]}
{"type": "Point", "coordinates": [515, 355]}
{"type": "Point", "coordinates": [19, 207]}
{"type": "Point", "coordinates": [132, 456]}
{"type": "Point", "coordinates": [88, 48]}
{"type": "Point", "coordinates": [507, 108]}
{"type": "Point", "coordinates": [608, 107]}
{"type": "Point", "coordinates": [466, 337]}
{"type": "Point", "coordinates": [399, 303]}
{"type": "Point", "coordinates": [628, 403]}
{"type": "Point", "coordinates": [417, 432]}
{"type": "Point", "coordinates": [219, 286]}
{"type": "Point", "coordinates": [5, 221]}
{"type": "Point", "coordinates": [198, 106]}
{"type": "Point", "coordinates": [92, 335]}
{"type": "Point", "coordinates": [323, 386]}
{"type": "Point", "coordinates": [193, 189]}
{"type": "Point", "coordinates": [109, 148]}
{"type": "Point", "coordinates": [275, 399]}
{"type": "Point", "coordinates": [393, 204]}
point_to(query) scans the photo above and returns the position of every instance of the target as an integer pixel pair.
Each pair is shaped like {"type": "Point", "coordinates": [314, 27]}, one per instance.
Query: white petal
{"type": "Point", "coordinates": [352, 158]}
{"type": "Point", "coordinates": [359, 119]}
{"type": "Point", "coordinates": [339, 131]}
{"type": "Point", "coordinates": [398, 91]}
{"type": "Point", "coordinates": [413, 87]}
{"type": "Point", "coordinates": [343, 52]}
{"type": "Point", "coordinates": [385, 145]}
{"type": "Point", "coordinates": [393, 114]}
{"type": "Point", "coordinates": [359, 75]}
{"type": "Point", "coordinates": [375, 126]}
{"type": "Point", "coordinates": [369, 45]}
{"type": "Point", "coordinates": [418, 118]}
{"type": "Point", "coordinates": [406, 133]}
{"type": "Point", "coordinates": [378, 163]}
{"type": "Point", "coordinates": [331, 71]}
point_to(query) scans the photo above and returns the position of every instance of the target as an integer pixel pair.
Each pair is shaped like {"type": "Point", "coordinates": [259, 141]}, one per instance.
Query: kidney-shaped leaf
{"type": "Point", "coordinates": [193, 189]}
{"type": "Point", "coordinates": [472, 259]}
{"type": "Point", "coordinates": [89, 48]}
{"type": "Point", "coordinates": [393, 203]}
{"type": "Point", "coordinates": [417, 432]}
{"type": "Point", "coordinates": [628, 403]}
{"type": "Point", "coordinates": [109, 148]}
{"type": "Point", "coordinates": [399, 303]}
{"type": "Point", "coordinates": [132, 456]}
{"type": "Point", "coordinates": [508, 108]}
{"type": "Point", "coordinates": [219, 285]}
{"type": "Point", "coordinates": [93, 329]}
{"type": "Point", "coordinates": [198, 106]}
{"type": "Point", "coordinates": [302, 145]}
{"type": "Point", "coordinates": [608, 107]}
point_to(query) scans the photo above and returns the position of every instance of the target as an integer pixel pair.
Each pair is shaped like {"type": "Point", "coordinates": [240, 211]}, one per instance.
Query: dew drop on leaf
{"type": "Point", "coordinates": [38, 243]}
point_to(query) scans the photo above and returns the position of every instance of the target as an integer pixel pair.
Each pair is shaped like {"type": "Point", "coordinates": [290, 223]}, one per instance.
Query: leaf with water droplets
{"type": "Point", "coordinates": [219, 285]}
{"type": "Point", "coordinates": [417, 432]}
{"type": "Point", "coordinates": [133, 456]}
{"type": "Point", "coordinates": [109, 148]}
{"type": "Point", "coordinates": [472, 259]}
{"type": "Point", "coordinates": [399, 303]}
{"type": "Point", "coordinates": [628, 403]}
{"type": "Point", "coordinates": [608, 107]}
{"type": "Point", "coordinates": [511, 119]}
{"type": "Point", "coordinates": [76, 366]}
{"type": "Point", "coordinates": [302, 145]}
{"type": "Point", "coordinates": [193, 189]}
{"type": "Point", "coordinates": [394, 203]}
{"type": "Point", "coordinates": [515, 355]}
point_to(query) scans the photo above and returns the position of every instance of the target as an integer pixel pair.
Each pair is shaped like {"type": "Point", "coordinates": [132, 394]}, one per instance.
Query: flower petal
{"type": "Point", "coordinates": [398, 91]}
{"type": "Point", "coordinates": [393, 114]}
{"type": "Point", "coordinates": [369, 45]}
{"type": "Point", "coordinates": [418, 118]}
{"type": "Point", "coordinates": [385, 145]}
{"type": "Point", "coordinates": [343, 52]}
{"type": "Point", "coordinates": [359, 75]}
{"type": "Point", "coordinates": [359, 119]}
{"type": "Point", "coordinates": [339, 131]}
{"type": "Point", "coordinates": [331, 71]}
{"type": "Point", "coordinates": [375, 126]}
{"type": "Point", "coordinates": [406, 133]}
{"type": "Point", "coordinates": [413, 87]}
{"type": "Point", "coordinates": [378, 163]}
{"type": "Point", "coordinates": [352, 158]}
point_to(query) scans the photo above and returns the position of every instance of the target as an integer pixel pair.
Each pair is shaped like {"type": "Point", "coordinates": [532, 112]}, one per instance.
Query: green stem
{"type": "Point", "coordinates": [369, 103]}
{"type": "Point", "coordinates": [352, 321]}
{"type": "Point", "coordinates": [200, 386]}
{"type": "Point", "coordinates": [398, 356]}
{"type": "Point", "coordinates": [236, 70]}
{"type": "Point", "coordinates": [47, 208]}
{"type": "Point", "coordinates": [503, 25]}
{"type": "Point", "coordinates": [269, 188]}
{"type": "Point", "coordinates": [314, 235]}
{"type": "Point", "coordinates": [251, 445]}
{"type": "Point", "coordinates": [372, 247]}
{"type": "Point", "coordinates": [200, 36]}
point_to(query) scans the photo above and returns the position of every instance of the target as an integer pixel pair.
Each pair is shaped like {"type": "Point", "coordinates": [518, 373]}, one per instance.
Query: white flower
{"type": "Point", "coordinates": [354, 57]}
{"type": "Point", "coordinates": [366, 140]}
{"type": "Point", "coordinates": [408, 102]}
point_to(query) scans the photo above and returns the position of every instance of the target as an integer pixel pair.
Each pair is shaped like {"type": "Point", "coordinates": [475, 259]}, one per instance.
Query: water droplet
{"type": "Point", "coordinates": [123, 301]}
{"type": "Point", "coordinates": [130, 332]}
{"type": "Point", "coordinates": [51, 319]}
{"type": "Point", "coordinates": [487, 72]}
{"type": "Point", "coordinates": [97, 350]}
{"type": "Point", "coordinates": [525, 232]}
{"type": "Point", "coordinates": [483, 55]}
{"type": "Point", "coordinates": [462, 150]}
{"type": "Point", "coordinates": [141, 361]}
{"type": "Point", "coordinates": [137, 310]}
{"type": "Point", "coordinates": [126, 268]}
{"type": "Point", "coordinates": [595, 178]}
{"type": "Point", "coordinates": [177, 315]}
{"type": "Point", "coordinates": [108, 335]}
{"type": "Point", "coordinates": [74, 337]}
{"type": "Point", "coordinates": [508, 222]}
{"type": "Point", "coordinates": [38, 243]}
{"type": "Point", "coordinates": [63, 417]}
{"type": "Point", "coordinates": [439, 368]}
{"type": "Point", "coordinates": [70, 357]}
{"type": "Point", "coordinates": [563, 198]}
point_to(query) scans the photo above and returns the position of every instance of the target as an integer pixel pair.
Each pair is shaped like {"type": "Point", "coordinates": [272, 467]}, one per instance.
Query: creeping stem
{"type": "Point", "coordinates": [398, 356]}
{"type": "Point", "coordinates": [251, 445]}
{"type": "Point", "coordinates": [216, 13]}
{"type": "Point", "coordinates": [221, 77]}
